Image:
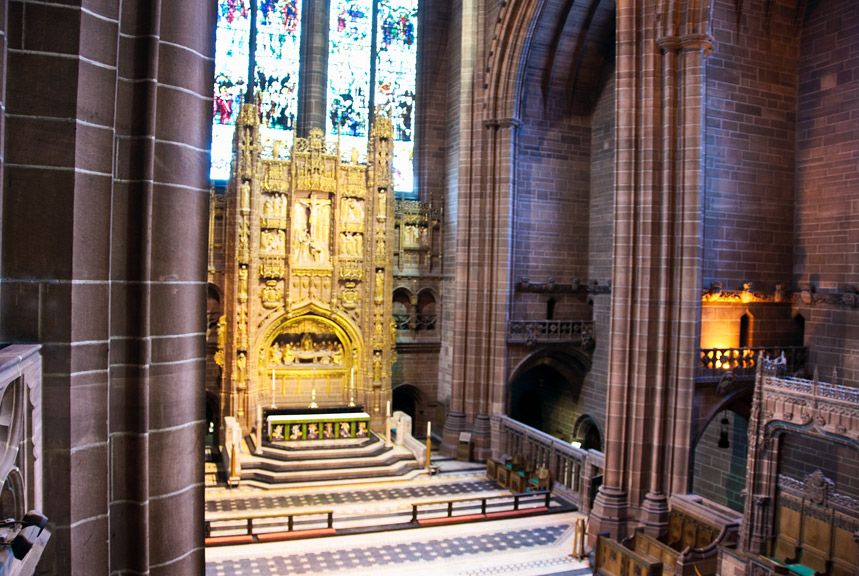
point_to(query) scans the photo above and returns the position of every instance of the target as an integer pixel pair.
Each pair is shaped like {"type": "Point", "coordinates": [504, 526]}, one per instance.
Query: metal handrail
{"type": "Point", "coordinates": [545, 494]}
{"type": "Point", "coordinates": [249, 519]}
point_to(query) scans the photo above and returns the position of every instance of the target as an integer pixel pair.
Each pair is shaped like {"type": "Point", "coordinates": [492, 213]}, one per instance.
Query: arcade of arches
{"type": "Point", "coordinates": [619, 205]}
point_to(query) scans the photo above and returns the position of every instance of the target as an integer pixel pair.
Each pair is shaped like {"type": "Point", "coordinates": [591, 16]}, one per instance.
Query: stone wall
{"type": "Point", "coordinates": [750, 145]}
{"type": "Point", "coordinates": [551, 210]}
{"type": "Point", "coordinates": [827, 218]}
{"type": "Point", "coordinates": [720, 473]}
{"type": "Point", "coordinates": [104, 262]}
{"type": "Point", "coordinates": [801, 455]}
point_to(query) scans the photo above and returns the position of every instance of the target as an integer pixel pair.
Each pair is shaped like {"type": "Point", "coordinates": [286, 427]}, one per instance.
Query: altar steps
{"type": "Point", "coordinates": [372, 460]}
{"type": "Point", "coordinates": [366, 448]}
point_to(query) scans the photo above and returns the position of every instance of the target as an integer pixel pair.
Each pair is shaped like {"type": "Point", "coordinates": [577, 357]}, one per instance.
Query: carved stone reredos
{"type": "Point", "coordinates": [308, 275]}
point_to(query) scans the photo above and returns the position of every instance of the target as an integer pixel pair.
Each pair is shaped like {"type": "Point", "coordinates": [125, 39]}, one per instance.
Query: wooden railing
{"type": "Point", "coordinates": [573, 468]}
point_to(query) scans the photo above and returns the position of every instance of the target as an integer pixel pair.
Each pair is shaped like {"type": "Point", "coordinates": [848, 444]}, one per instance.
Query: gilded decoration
{"type": "Point", "coordinates": [352, 214]}
{"type": "Point", "coordinates": [272, 267]}
{"type": "Point", "coordinates": [290, 350]}
{"type": "Point", "coordinates": [311, 225]}
{"type": "Point", "coordinates": [272, 294]}
{"type": "Point", "coordinates": [314, 167]}
{"type": "Point", "coordinates": [349, 296]}
{"type": "Point", "coordinates": [351, 244]}
{"type": "Point", "coordinates": [276, 175]}
{"type": "Point", "coordinates": [305, 233]}
{"type": "Point", "coordinates": [274, 212]}
{"type": "Point", "coordinates": [353, 180]}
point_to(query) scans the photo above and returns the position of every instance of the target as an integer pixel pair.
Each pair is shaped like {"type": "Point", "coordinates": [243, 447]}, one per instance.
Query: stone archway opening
{"type": "Point", "coordinates": [719, 458]}
{"type": "Point", "coordinates": [542, 397]}
{"type": "Point", "coordinates": [587, 433]}
{"type": "Point", "coordinates": [409, 399]}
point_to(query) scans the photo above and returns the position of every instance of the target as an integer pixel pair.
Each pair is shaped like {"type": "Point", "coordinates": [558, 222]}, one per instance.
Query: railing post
{"type": "Point", "coordinates": [548, 497]}
{"type": "Point", "coordinates": [515, 502]}
{"type": "Point", "coordinates": [483, 506]}
{"type": "Point", "coordinates": [449, 509]}
{"type": "Point", "coordinates": [208, 528]}
{"type": "Point", "coordinates": [414, 512]}
{"type": "Point", "coordinates": [250, 525]}
{"type": "Point", "coordinates": [289, 523]}
{"type": "Point", "coordinates": [330, 518]}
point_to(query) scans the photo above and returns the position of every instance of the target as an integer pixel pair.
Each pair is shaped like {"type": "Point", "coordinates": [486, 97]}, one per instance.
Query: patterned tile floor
{"type": "Point", "coordinates": [537, 546]}
{"type": "Point", "coordinates": [243, 503]}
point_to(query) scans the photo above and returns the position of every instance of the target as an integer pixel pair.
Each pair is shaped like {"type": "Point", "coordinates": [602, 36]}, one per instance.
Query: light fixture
{"type": "Point", "coordinates": [724, 442]}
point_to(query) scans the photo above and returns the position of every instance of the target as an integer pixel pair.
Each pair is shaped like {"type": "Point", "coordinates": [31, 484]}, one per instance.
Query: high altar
{"type": "Point", "coordinates": [307, 294]}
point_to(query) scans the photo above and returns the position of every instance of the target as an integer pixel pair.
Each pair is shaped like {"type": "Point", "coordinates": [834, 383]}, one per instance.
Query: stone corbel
{"type": "Point", "coordinates": [699, 42]}
{"type": "Point", "coordinates": [502, 123]}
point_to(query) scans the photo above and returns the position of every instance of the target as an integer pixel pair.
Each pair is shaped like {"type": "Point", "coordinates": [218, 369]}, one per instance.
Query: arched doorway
{"type": "Point", "coordinates": [409, 399]}
{"type": "Point", "coordinates": [587, 433]}
{"type": "Point", "coordinates": [544, 392]}
{"type": "Point", "coordinates": [719, 457]}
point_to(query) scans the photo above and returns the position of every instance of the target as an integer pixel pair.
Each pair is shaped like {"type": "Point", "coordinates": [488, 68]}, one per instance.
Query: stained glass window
{"type": "Point", "coordinates": [359, 56]}
{"type": "Point", "coordinates": [395, 81]}
{"type": "Point", "coordinates": [231, 69]}
{"type": "Point", "coordinates": [277, 61]}
{"type": "Point", "coordinates": [350, 43]}
{"type": "Point", "coordinates": [276, 74]}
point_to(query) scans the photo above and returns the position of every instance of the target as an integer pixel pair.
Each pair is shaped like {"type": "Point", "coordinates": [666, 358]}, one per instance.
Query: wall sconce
{"type": "Point", "coordinates": [724, 442]}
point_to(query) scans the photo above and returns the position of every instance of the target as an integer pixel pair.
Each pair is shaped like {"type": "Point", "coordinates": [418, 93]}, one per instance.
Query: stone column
{"type": "Point", "coordinates": [657, 267]}
{"type": "Point", "coordinates": [609, 511]}
{"type": "Point", "coordinates": [104, 263]}
{"type": "Point", "coordinates": [483, 289]}
{"type": "Point", "coordinates": [313, 73]}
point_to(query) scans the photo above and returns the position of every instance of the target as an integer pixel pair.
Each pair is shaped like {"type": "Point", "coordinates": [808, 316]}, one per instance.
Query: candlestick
{"type": "Point", "coordinates": [429, 442]}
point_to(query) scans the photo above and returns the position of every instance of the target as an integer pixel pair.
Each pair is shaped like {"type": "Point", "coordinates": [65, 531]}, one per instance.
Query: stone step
{"type": "Point", "coordinates": [325, 461]}
{"type": "Point", "coordinates": [272, 478]}
{"type": "Point", "coordinates": [367, 449]}
{"type": "Point", "coordinates": [383, 458]}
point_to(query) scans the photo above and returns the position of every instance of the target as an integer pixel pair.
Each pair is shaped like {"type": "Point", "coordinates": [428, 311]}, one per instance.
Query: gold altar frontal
{"type": "Point", "coordinates": [308, 281]}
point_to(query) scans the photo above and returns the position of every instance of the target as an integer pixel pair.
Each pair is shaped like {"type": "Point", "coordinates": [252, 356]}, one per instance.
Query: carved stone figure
{"type": "Point", "coordinates": [222, 332]}
{"type": "Point", "coordinates": [380, 285]}
{"type": "Point", "coordinates": [243, 284]}
{"type": "Point", "coordinates": [246, 195]}
{"type": "Point", "coordinates": [241, 365]}
{"type": "Point", "coordinates": [275, 354]}
{"type": "Point", "coordinates": [410, 235]}
{"type": "Point", "coordinates": [311, 225]}
{"type": "Point", "coordinates": [377, 366]}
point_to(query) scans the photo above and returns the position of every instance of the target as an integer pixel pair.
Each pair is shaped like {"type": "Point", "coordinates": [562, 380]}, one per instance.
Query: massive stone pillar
{"type": "Point", "coordinates": [313, 74]}
{"type": "Point", "coordinates": [482, 207]}
{"type": "Point", "coordinates": [103, 262]}
{"type": "Point", "coordinates": [657, 262]}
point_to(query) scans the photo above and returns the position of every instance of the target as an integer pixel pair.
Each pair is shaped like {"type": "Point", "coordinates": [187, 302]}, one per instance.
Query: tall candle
{"type": "Point", "coordinates": [388, 409]}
